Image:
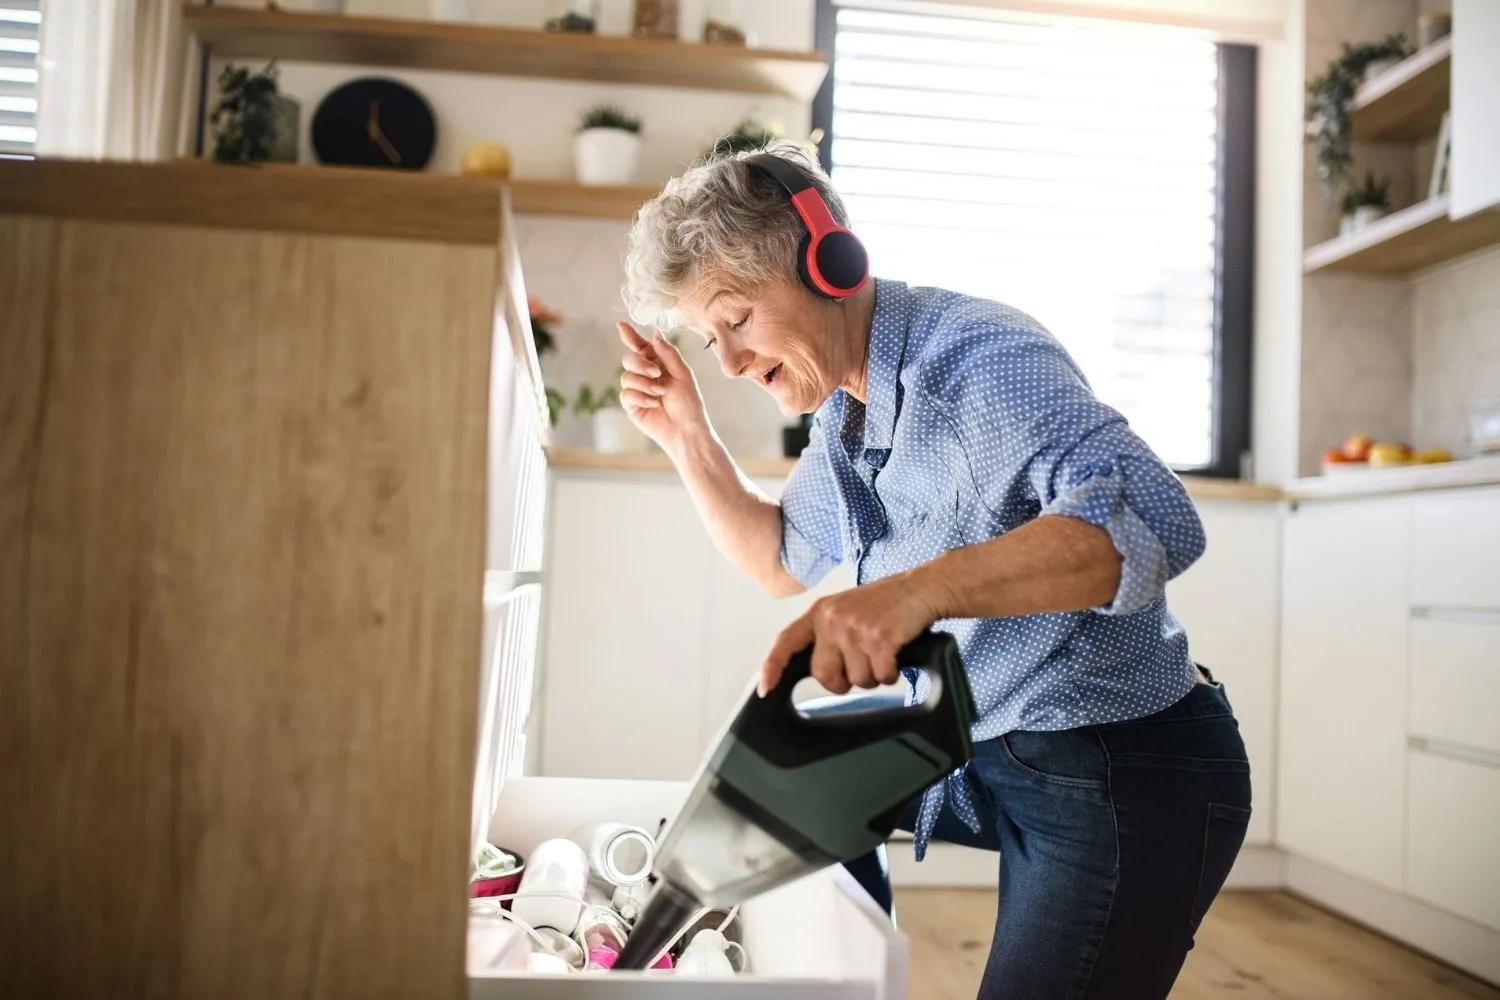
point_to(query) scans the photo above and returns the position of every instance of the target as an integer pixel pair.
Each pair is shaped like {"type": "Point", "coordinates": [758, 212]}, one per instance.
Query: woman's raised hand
{"type": "Point", "coordinates": [658, 389]}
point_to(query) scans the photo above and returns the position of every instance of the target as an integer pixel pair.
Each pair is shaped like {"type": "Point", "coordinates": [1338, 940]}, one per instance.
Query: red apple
{"type": "Point", "coordinates": [1357, 448]}
{"type": "Point", "coordinates": [1335, 456]}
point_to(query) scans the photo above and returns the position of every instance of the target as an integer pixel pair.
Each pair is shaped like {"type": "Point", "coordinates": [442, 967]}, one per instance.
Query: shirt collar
{"type": "Point", "coordinates": [887, 351]}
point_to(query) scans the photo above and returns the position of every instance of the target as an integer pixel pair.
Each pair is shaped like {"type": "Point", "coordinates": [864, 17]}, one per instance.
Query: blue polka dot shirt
{"type": "Point", "coordinates": [976, 422]}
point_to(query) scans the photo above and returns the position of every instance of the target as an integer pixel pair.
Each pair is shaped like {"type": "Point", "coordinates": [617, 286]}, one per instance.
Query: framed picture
{"type": "Point", "coordinates": [1440, 157]}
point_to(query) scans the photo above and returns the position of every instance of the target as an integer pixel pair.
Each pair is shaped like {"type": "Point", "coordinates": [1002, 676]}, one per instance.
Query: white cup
{"type": "Point", "coordinates": [705, 955]}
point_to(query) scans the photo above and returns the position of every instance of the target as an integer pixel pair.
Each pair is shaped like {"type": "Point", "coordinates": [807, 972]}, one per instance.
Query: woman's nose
{"type": "Point", "coordinates": [734, 360]}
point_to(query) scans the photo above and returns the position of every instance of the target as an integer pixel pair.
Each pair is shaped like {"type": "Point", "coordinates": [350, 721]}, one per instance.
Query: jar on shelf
{"type": "Point", "coordinates": [577, 16]}
{"type": "Point", "coordinates": [722, 27]}
{"type": "Point", "coordinates": [656, 18]}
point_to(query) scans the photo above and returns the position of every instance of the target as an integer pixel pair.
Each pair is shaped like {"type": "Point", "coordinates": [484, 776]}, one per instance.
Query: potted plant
{"type": "Point", "coordinates": [1364, 202]}
{"type": "Point", "coordinates": [245, 118]}
{"type": "Point", "coordinates": [542, 319]}
{"type": "Point", "coordinates": [607, 146]}
{"type": "Point", "coordinates": [751, 133]}
{"type": "Point", "coordinates": [613, 431]}
{"type": "Point", "coordinates": [1328, 99]}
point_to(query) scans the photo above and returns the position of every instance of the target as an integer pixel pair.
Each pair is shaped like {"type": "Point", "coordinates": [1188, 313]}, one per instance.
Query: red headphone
{"type": "Point", "coordinates": [831, 260]}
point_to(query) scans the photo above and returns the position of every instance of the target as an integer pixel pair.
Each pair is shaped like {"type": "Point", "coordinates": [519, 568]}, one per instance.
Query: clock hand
{"type": "Point", "coordinates": [374, 126]}
{"type": "Point", "coordinates": [384, 144]}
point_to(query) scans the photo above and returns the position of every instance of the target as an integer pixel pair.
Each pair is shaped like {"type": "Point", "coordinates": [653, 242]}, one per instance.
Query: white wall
{"type": "Point", "coordinates": [1277, 353]}
{"type": "Point", "coordinates": [1456, 341]}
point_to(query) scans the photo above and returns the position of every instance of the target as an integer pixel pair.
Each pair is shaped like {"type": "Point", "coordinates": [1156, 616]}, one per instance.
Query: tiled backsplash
{"type": "Point", "coordinates": [1457, 348]}
{"type": "Point", "coordinates": [1357, 357]}
{"type": "Point", "coordinates": [574, 266]}
{"type": "Point", "coordinates": [1356, 361]}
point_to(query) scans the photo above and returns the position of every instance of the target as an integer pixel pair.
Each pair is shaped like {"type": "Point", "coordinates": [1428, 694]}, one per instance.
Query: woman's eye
{"type": "Point", "coordinates": [741, 322]}
{"type": "Point", "coordinates": [711, 342]}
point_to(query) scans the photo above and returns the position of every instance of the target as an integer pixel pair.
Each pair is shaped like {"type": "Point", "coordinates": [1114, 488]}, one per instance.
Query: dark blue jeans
{"type": "Point", "coordinates": [1114, 840]}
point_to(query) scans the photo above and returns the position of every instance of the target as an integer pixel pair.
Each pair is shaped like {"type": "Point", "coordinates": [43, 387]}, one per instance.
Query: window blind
{"type": "Point", "coordinates": [19, 21]}
{"type": "Point", "coordinates": [1065, 167]}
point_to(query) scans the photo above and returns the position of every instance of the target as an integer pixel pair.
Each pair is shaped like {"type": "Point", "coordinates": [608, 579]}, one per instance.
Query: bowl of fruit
{"type": "Point", "coordinates": [1360, 452]}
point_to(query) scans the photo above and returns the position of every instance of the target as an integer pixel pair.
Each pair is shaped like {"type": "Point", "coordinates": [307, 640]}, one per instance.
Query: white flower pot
{"type": "Point", "coordinates": [606, 156]}
{"type": "Point", "coordinates": [614, 432]}
{"type": "Point", "coordinates": [1346, 223]}
{"type": "Point", "coordinates": [451, 10]}
{"type": "Point", "coordinates": [1374, 69]}
{"type": "Point", "coordinates": [1366, 214]}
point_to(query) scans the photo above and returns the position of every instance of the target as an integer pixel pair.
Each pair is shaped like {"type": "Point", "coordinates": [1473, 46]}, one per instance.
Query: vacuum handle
{"type": "Point", "coordinates": [943, 718]}
{"type": "Point", "coordinates": [925, 653]}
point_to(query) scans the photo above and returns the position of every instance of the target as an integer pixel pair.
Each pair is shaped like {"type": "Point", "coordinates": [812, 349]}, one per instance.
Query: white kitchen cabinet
{"type": "Point", "coordinates": [1344, 619]}
{"type": "Point", "coordinates": [1456, 547]}
{"type": "Point", "coordinates": [1229, 602]}
{"type": "Point", "coordinates": [743, 621]}
{"type": "Point", "coordinates": [1475, 104]}
{"type": "Point", "coordinates": [652, 636]}
{"type": "Point", "coordinates": [1455, 678]}
{"type": "Point", "coordinates": [624, 674]}
{"type": "Point", "coordinates": [1454, 828]}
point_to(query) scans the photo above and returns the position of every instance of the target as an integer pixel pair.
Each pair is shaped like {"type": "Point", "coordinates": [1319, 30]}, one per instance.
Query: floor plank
{"type": "Point", "coordinates": [1252, 946]}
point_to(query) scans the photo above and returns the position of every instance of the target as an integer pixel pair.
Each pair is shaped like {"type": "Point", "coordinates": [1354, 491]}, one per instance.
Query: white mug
{"type": "Point", "coordinates": [705, 955]}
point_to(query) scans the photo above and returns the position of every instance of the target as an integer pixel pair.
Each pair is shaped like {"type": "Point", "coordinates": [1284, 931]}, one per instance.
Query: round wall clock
{"type": "Point", "coordinates": [374, 122]}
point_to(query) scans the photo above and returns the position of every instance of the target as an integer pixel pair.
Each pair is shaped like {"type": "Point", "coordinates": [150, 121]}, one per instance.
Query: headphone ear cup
{"type": "Point", "coordinates": [804, 272]}
{"type": "Point", "coordinates": [842, 261]}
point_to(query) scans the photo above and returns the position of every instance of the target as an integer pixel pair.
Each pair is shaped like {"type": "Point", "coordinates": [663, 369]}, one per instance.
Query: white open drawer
{"type": "Point", "coordinates": [821, 938]}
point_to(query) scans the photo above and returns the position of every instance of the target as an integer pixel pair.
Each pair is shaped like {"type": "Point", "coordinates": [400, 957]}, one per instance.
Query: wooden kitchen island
{"type": "Point", "coordinates": [246, 417]}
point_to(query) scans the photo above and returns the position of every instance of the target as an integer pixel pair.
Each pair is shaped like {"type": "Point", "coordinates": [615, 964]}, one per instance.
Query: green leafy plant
{"type": "Point", "coordinates": [590, 400]}
{"type": "Point", "coordinates": [542, 319]}
{"type": "Point", "coordinates": [1328, 99]}
{"type": "Point", "coordinates": [244, 119]}
{"type": "Point", "coordinates": [1372, 190]}
{"type": "Point", "coordinates": [749, 134]}
{"type": "Point", "coordinates": [609, 116]}
{"type": "Point", "coordinates": [556, 404]}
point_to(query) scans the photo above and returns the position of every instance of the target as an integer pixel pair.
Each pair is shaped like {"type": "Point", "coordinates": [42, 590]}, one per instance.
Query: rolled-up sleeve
{"type": "Point", "coordinates": [810, 541]}
{"type": "Point", "coordinates": [1022, 409]}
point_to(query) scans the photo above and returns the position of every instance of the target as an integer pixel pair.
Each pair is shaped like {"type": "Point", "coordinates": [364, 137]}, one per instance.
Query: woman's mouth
{"type": "Point", "coordinates": [770, 375]}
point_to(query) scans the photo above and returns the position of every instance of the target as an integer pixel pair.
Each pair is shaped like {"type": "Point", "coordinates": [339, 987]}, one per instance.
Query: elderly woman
{"type": "Point", "coordinates": [962, 468]}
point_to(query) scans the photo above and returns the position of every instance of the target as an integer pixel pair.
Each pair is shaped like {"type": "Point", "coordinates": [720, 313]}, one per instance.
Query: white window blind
{"type": "Point", "coordinates": [1067, 168]}
{"type": "Point", "coordinates": [19, 21]}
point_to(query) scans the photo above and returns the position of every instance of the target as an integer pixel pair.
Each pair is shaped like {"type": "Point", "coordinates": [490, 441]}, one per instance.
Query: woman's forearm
{"type": "Point", "coordinates": [1051, 564]}
{"type": "Point", "coordinates": [743, 522]}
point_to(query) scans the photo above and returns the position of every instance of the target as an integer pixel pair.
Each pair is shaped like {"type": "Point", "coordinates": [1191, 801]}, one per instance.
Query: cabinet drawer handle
{"type": "Point", "coordinates": [1481, 616]}
{"type": "Point", "coordinates": [501, 587]}
{"type": "Point", "coordinates": [1454, 751]}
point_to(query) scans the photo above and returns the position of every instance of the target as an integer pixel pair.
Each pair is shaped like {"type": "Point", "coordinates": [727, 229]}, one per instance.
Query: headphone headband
{"type": "Point", "coordinates": [831, 260]}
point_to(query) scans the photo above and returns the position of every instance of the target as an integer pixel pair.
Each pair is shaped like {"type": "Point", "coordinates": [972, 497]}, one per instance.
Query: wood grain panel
{"type": "Point", "coordinates": [269, 197]}
{"type": "Point", "coordinates": [585, 201]}
{"type": "Point", "coordinates": [242, 537]}
{"type": "Point", "coordinates": [1252, 946]}
{"type": "Point", "coordinates": [1416, 237]}
{"type": "Point", "coordinates": [1405, 103]}
{"type": "Point", "coordinates": [475, 48]}
{"type": "Point", "coordinates": [1199, 487]}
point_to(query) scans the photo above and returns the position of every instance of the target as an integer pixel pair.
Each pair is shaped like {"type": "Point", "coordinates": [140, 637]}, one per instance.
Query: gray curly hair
{"type": "Point", "coordinates": [721, 220]}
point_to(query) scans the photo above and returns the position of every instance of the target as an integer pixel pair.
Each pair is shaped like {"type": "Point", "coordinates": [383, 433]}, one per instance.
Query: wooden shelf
{"type": "Point", "coordinates": [1407, 101]}
{"type": "Point", "coordinates": [473, 48]}
{"type": "Point", "coordinates": [1409, 240]}
{"type": "Point", "coordinates": [577, 200]}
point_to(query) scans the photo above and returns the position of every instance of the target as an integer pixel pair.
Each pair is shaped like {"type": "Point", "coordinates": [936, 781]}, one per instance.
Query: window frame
{"type": "Point", "coordinates": [1234, 243]}
{"type": "Point", "coordinates": [15, 149]}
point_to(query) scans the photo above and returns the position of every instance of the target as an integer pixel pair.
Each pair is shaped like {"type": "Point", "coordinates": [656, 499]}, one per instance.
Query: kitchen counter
{"type": "Point", "coordinates": [1401, 479]}
{"type": "Point", "coordinates": [1201, 488]}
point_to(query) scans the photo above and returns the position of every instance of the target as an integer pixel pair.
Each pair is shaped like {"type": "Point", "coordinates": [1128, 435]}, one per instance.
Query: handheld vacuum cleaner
{"type": "Point", "coordinates": [783, 795]}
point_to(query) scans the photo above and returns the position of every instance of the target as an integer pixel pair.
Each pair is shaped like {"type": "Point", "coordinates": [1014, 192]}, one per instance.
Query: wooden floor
{"type": "Point", "coordinates": [1252, 946]}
